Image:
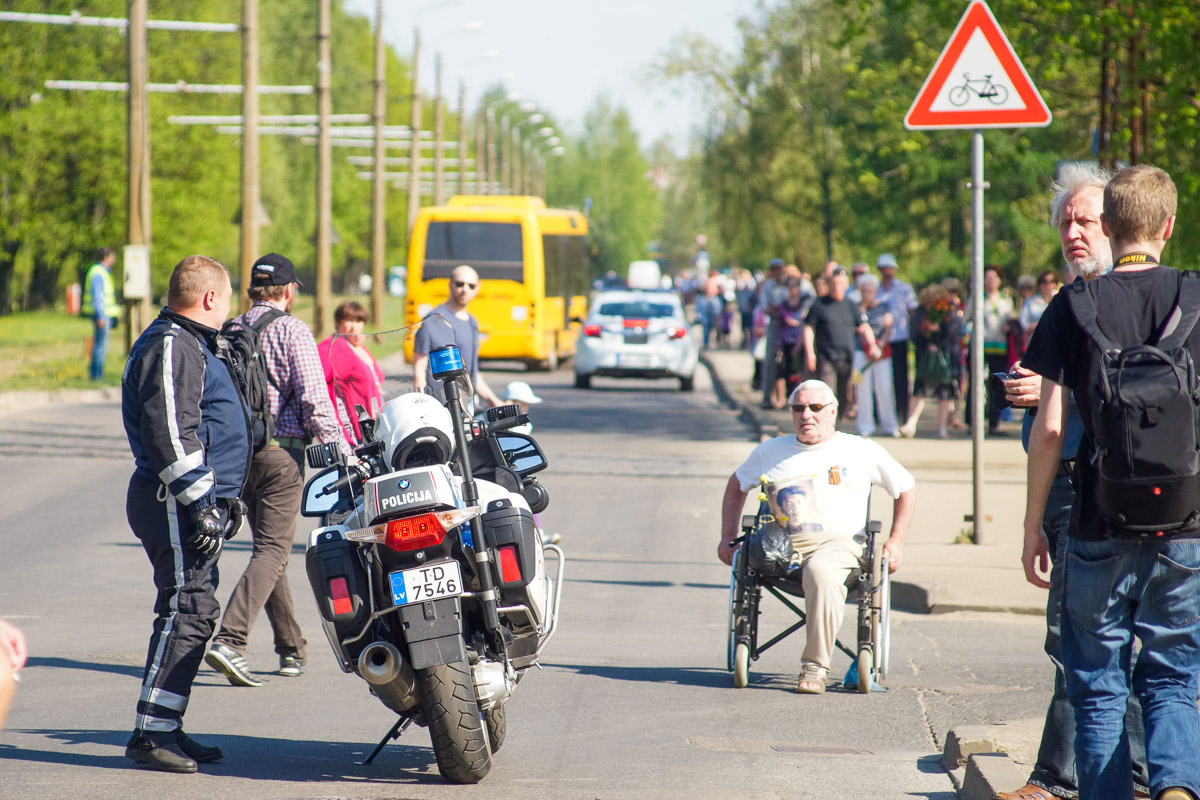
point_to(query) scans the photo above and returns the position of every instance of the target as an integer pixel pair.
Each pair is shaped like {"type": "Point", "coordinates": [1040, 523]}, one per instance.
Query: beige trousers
{"type": "Point", "coordinates": [825, 566]}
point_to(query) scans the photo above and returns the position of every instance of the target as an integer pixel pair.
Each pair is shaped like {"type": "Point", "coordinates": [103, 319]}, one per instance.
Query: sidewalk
{"type": "Point", "coordinates": [937, 575]}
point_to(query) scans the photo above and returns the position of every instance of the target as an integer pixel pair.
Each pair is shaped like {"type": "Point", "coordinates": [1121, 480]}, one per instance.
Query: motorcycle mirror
{"type": "Point", "coordinates": [316, 502]}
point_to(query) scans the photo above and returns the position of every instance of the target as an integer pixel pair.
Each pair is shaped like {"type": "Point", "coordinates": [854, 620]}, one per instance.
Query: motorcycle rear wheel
{"type": "Point", "coordinates": [455, 724]}
{"type": "Point", "coordinates": [497, 726]}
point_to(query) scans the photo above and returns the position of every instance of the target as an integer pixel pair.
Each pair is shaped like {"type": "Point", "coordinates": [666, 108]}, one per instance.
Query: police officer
{"type": "Point", "coordinates": [189, 431]}
{"type": "Point", "coordinates": [101, 307]}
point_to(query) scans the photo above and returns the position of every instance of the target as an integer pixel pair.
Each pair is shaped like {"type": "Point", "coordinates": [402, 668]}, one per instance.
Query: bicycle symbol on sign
{"type": "Point", "coordinates": [980, 87]}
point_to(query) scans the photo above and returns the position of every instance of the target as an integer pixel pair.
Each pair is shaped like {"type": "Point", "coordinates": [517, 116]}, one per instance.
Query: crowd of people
{"type": "Point", "coordinates": [854, 329]}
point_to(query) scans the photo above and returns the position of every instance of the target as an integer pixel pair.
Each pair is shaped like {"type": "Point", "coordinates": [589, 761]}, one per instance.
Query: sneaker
{"type": "Point", "coordinates": [232, 665]}
{"type": "Point", "coordinates": [291, 665]}
{"type": "Point", "coordinates": [166, 758]}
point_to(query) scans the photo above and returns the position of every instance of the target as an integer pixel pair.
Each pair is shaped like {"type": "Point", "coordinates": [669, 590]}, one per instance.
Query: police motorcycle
{"type": "Point", "coordinates": [429, 570]}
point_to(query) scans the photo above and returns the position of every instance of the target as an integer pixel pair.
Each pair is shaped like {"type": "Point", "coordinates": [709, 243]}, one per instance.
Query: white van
{"type": "Point", "coordinates": [645, 275]}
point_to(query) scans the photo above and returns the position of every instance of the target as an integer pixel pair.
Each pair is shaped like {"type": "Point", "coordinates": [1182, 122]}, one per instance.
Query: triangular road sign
{"type": "Point", "coordinates": [978, 82]}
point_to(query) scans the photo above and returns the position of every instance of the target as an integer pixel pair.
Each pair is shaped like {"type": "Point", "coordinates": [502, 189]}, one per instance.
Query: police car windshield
{"type": "Point", "coordinates": [635, 310]}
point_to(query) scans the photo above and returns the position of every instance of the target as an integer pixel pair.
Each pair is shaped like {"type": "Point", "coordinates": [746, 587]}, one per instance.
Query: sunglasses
{"type": "Point", "coordinates": [798, 408]}
{"type": "Point", "coordinates": [464, 285]}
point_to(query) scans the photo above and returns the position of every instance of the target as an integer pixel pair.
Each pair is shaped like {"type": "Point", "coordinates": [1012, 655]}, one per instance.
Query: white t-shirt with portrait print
{"type": "Point", "coordinates": [840, 471]}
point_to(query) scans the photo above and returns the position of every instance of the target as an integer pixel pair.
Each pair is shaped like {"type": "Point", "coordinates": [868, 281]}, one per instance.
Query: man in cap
{"type": "Point", "coordinates": [452, 323]}
{"type": "Point", "coordinates": [299, 402]}
{"type": "Point", "coordinates": [901, 300]}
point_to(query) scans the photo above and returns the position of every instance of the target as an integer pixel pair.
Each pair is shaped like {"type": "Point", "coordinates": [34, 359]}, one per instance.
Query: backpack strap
{"type": "Point", "coordinates": [1083, 306]}
{"type": "Point", "coordinates": [1183, 317]}
{"type": "Point", "coordinates": [258, 326]}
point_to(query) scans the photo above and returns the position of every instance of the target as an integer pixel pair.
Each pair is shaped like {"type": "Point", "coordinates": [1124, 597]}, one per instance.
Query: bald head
{"type": "Point", "coordinates": [464, 285]}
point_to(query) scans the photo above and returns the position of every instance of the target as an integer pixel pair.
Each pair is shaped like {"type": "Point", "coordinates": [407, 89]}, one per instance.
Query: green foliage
{"type": "Point", "coordinates": [805, 152]}
{"type": "Point", "coordinates": [63, 154]}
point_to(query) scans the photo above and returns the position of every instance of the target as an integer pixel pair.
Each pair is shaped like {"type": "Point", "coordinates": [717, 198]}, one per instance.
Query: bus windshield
{"type": "Point", "coordinates": [493, 249]}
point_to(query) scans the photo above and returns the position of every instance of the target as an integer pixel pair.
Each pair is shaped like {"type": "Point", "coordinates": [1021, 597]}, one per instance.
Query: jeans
{"type": "Point", "coordinates": [1054, 769]}
{"type": "Point", "coordinates": [1115, 590]}
{"type": "Point", "coordinates": [99, 350]}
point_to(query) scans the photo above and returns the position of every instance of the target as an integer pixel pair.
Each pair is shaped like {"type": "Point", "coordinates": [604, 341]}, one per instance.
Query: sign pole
{"type": "Point", "coordinates": [978, 376]}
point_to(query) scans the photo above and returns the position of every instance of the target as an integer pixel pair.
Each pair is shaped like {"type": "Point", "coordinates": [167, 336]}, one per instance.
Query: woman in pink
{"type": "Point", "coordinates": [351, 372]}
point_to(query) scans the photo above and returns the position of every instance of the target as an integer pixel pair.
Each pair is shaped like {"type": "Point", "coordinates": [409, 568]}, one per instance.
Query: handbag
{"type": "Point", "coordinates": [933, 367]}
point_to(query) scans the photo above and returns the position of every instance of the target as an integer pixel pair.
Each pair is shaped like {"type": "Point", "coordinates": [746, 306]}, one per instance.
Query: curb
{"type": "Point", "coordinates": [765, 428]}
{"type": "Point", "coordinates": [979, 770]}
{"type": "Point", "coordinates": [24, 400]}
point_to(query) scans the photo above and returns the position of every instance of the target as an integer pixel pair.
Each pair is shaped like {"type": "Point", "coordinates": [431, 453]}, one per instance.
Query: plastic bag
{"type": "Point", "coordinates": [769, 550]}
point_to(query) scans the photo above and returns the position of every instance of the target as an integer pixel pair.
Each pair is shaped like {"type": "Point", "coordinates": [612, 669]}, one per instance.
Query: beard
{"type": "Point", "coordinates": [290, 304]}
{"type": "Point", "coordinates": [1093, 266]}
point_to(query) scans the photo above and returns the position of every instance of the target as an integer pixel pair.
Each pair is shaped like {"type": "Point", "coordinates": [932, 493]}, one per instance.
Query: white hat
{"type": "Point", "coordinates": [521, 393]}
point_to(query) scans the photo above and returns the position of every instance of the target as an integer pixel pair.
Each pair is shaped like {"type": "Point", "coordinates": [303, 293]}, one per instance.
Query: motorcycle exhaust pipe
{"type": "Point", "coordinates": [391, 677]}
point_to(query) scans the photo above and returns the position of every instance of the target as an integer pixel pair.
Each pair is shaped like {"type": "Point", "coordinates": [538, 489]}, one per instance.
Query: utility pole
{"type": "Point", "coordinates": [490, 126]}
{"type": "Point", "coordinates": [324, 178]}
{"type": "Point", "coordinates": [378, 197]}
{"type": "Point", "coordinates": [414, 163]}
{"type": "Point", "coordinates": [505, 173]}
{"type": "Point", "coordinates": [439, 104]}
{"type": "Point", "coordinates": [250, 185]}
{"type": "Point", "coordinates": [139, 150]}
{"type": "Point", "coordinates": [462, 138]}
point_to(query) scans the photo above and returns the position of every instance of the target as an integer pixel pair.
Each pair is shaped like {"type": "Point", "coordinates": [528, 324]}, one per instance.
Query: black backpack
{"type": "Point", "coordinates": [1145, 418]}
{"type": "Point", "coordinates": [250, 371]}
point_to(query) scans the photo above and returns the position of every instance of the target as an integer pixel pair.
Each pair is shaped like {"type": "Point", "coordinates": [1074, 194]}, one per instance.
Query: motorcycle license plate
{"type": "Point", "coordinates": [426, 583]}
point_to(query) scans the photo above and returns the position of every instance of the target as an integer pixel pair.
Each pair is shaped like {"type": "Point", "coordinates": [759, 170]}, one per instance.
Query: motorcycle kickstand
{"type": "Point", "coordinates": [397, 729]}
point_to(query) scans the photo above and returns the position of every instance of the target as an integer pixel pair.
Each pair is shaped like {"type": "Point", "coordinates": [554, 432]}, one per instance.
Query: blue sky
{"type": "Point", "coordinates": [562, 54]}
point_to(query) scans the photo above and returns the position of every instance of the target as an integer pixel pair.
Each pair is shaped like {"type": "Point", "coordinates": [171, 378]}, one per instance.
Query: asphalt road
{"type": "Point", "coordinates": [634, 700]}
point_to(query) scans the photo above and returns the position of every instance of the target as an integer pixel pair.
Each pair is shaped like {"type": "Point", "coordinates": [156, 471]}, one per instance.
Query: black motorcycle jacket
{"type": "Point", "coordinates": [183, 414]}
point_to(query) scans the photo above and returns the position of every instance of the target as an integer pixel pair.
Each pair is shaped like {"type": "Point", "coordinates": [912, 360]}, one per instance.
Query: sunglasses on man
{"type": "Point", "coordinates": [464, 285]}
{"type": "Point", "coordinates": [798, 408]}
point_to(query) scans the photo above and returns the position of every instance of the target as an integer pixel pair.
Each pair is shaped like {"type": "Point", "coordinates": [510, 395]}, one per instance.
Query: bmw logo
{"type": "Point", "coordinates": [404, 484]}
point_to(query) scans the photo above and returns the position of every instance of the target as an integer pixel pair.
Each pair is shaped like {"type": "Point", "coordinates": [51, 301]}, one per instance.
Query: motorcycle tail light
{"type": "Point", "coordinates": [676, 333]}
{"type": "Point", "coordinates": [340, 592]}
{"type": "Point", "coordinates": [591, 330]}
{"type": "Point", "coordinates": [416, 532]}
{"type": "Point", "coordinates": [510, 570]}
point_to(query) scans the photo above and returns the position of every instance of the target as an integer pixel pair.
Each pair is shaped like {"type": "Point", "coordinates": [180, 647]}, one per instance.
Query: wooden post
{"type": "Point", "coordinates": [324, 292]}
{"type": "Point", "coordinates": [462, 138]}
{"type": "Point", "coordinates": [505, 172]}
{"type": "Point", "coordinates": [490, 127]}
{"type": "Point", "coordinates": [414, 155]}
{"type": "Point", "coordinates": [250, 185]}
{"type": "Point", "coordinates": [138, 211]}
{"type": "Point", "coordinates": [378, 186]}
{"type": "Point", "coordinates": [439, 105]}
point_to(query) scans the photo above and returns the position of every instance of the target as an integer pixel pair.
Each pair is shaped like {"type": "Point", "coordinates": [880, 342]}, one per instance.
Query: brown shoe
{"type": "Point", "coordinates": [1028, 792]}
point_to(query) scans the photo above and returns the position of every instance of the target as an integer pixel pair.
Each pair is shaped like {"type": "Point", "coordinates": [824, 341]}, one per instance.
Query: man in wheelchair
{"type": "Point", "coordinates": [820, 480]}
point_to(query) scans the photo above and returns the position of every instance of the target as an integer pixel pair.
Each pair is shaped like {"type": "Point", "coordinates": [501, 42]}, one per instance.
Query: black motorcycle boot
{"type": "Point", "coordinates": [200, 753]}
{"type": "Point", "coordinates": [164, 758]}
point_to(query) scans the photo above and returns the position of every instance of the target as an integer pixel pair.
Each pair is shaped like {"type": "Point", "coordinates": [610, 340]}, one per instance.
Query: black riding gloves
{"type": "Point", "coordinates": [207, 527]}
{"type": "Point", "coordinates": [237, 512]}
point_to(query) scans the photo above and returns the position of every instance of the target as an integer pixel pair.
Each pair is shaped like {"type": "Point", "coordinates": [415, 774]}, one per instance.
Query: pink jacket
{"type": "Point", "coordinates": [350, 381]}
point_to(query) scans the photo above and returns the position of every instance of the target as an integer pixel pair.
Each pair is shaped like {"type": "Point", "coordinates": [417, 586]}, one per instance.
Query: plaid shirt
{"type": "Point", "coordinates": [301, 403]}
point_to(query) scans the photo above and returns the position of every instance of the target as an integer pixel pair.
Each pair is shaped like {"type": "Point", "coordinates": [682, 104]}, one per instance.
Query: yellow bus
{"type": "Point", "coordinates": [533, 269]}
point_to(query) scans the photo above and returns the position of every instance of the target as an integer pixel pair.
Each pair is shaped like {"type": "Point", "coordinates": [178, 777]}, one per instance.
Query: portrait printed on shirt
{"type": "Point", "coordinates": [796, 505]}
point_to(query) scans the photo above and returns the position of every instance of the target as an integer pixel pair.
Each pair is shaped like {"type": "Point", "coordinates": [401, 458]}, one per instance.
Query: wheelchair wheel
{"type": "Point", "coordinates": [741, 666]}
{"type": "Point", "coordinates": [864, 666]}
{"type": "Point", "coordinates": [736, 612]}
{"type": "Point", "coordinates": [884, 646]}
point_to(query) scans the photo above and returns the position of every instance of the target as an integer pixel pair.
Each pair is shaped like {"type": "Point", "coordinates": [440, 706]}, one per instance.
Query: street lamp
{"type": "Point", "coordinates": [522, 149]}
{"type": "Point", "coordinates": [489, 116]}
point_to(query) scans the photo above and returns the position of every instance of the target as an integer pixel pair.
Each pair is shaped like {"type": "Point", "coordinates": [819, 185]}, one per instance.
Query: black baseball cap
{"type": "Point", "coordinates": [273, 270]}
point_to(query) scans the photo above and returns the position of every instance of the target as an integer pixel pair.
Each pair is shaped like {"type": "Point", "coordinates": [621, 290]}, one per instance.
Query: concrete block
{"type": "Point", "coordinates": [988, 773]}
{"type": "Point", "coordinates": [964, 741]}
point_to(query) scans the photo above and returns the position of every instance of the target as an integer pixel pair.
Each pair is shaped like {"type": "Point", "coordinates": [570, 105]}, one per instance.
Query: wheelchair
{"type": "Point", "coordinates": [870, 584]}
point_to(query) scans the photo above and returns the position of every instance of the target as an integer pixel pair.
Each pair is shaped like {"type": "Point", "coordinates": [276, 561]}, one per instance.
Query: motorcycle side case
{"type": "Point", "coordinates": [509, 522]}
{"type": "Point", "coordinates": [331, 556]}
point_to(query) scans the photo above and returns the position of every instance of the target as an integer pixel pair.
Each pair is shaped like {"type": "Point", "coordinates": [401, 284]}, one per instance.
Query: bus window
{"type": "Point", "coordinates": [493, 249]}
{"type": "Point", "coordinates": [566, 264]}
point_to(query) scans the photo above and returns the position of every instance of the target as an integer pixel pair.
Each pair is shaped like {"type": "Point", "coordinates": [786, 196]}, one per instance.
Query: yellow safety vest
{"type": "Point", "coordinates": [111, 309]}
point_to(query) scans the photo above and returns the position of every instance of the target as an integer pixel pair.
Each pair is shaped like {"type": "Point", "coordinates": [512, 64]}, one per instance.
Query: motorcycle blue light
{"type": "Point", "coordinates": [446, 362]}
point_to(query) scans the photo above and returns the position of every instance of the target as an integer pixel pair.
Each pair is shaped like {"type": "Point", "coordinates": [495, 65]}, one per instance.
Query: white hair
{"type": "Point", "coordinates": [815, 386]}
{"type": "Point", "coordinates": [1072, 177]}
{"type": "Point", "coordinates": [867, 280]}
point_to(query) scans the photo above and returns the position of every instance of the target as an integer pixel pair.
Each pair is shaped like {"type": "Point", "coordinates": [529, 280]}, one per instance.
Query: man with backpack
{"type": "Point", "coordinates": [295, 410]}
{"type": "Point", "coordinates": [1125, 346]}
